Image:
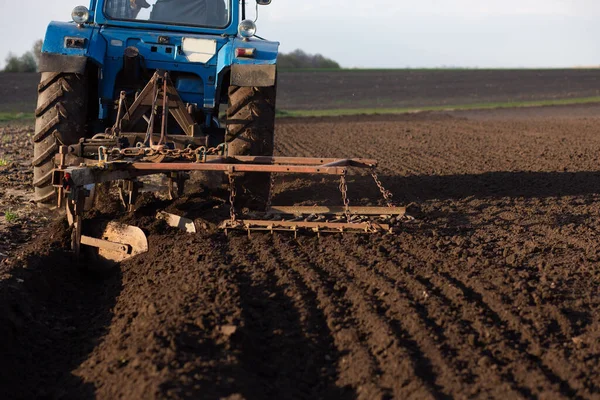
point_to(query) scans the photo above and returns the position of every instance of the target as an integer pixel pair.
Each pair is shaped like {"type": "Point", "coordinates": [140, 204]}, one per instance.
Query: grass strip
{"type": "Point", "coordinates": [338, 112]}
{"type": "Point", "coordinates": [461, 107]}
{"type": "Point", "coordinates": [15, 117]}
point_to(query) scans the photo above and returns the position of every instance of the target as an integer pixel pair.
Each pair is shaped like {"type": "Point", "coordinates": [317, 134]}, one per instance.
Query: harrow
{"type": "Point", "coordinates": [122, 157]}
{"type": "Point", "coordinates": [75, 185]}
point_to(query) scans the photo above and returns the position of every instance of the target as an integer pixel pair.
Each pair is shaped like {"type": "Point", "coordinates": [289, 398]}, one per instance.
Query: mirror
{"type": "Point", "coordinates": [263, 2]}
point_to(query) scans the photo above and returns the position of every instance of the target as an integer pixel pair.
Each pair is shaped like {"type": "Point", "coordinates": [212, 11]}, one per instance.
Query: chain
{"type": "Point", "coordinates": [198, 155]}
{"type": "Point", "coordinates": [102, 154]}
{"type": "Point", "coordinates": [232, 193]}
{"type": "Point", "coordinates": [271, 188]}
{"type": "Point", "coordinates": [387, 195]}
{"type": "Point", "coordinates": [345, 200]}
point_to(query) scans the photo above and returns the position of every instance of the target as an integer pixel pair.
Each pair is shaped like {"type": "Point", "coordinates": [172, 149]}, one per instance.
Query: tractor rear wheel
{"type": "Point", "coordinates": [61, 117]}
{"type": "Point", "coordinates": [250, 132]}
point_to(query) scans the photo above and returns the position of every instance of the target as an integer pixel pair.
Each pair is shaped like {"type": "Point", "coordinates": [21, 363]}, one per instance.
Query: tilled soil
{"type": "Point", "coordinates": [303, 90]}
{"type": "Point", "coordinates": [491, 292]}
{"type": "Point", "coordinates": [19, 217]}
{"type": "Point", "coordinates": [18, 92]}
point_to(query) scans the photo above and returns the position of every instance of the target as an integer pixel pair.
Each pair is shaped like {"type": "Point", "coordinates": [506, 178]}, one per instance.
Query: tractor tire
{"type": "Point", "coordinates": [61, 117]}
{"type": "Point", "coordinates": [250, 132]}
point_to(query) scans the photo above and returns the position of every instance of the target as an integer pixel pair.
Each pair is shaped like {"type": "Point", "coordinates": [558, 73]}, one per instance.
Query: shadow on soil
{"type": "Point", "coordinates": [497, 185]}
{"type": "Point", "coordinates": [279, 359]}
{"type": "Point", "coordinates": [417, 188]}
{"type": "Point", "coordinates": [52, 315]}
{"type": "Point", "coordinates": [282, 347]}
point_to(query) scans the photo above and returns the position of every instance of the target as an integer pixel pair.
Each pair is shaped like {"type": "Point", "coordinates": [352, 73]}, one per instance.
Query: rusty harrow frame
{"type": "Point", "coordinates": [123, 156]}
{"type": "Point", "coordinates": [73, 182]}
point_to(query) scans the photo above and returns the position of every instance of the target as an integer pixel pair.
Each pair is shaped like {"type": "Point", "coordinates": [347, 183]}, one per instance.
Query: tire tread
{"type": "Point", "coordinates": [60, 120]}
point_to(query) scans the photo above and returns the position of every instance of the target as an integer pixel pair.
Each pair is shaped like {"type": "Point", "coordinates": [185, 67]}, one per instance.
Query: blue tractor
{"type": "Point", "coordinates": [153, 76]}
{"type": "Point", "coordinates": [135, 88]}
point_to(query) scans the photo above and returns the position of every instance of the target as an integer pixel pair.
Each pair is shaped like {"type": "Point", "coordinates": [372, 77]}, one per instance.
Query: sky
{"type": "Point", "coordinates": [391, 33]}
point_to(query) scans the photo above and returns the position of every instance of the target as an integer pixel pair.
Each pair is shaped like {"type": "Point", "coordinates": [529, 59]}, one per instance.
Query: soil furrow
{"type": "Point", "coordinates": [279, 323]}
{"type": "Point", "coordinates": [358, 367]}
{"type": "Point", "coordinates": [399, 340]}
{"type": "Point", "coordinates": [509, 328]}
{"type": "Point", "coordinates": [292, 141]}
{"type": "Point", "coordinates": [411, 295]}
{"type": "Point", "coordinates": [515, 332]}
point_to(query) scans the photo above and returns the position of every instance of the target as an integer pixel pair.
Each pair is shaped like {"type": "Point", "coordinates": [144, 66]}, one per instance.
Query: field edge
{"type": "Point", "coordinates": [444, 108]}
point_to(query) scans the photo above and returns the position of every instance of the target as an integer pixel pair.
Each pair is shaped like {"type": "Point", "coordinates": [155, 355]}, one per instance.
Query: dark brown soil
{"type": "Point", "coordinates": [18, 92]}
{"type": "Point", "coordinates": [417, 88]}
{"type": "Point", "coordinates": [19, 217]}
{"type": "Point", "coordinates": [302, 90]}
{"type": "Point", "coordinates": [492, 292]}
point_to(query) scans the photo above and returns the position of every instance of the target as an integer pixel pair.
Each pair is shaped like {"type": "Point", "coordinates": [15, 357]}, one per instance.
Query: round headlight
{"type": "Point", "coordinates": [80, 14]}
{"type": "Point", "coordinates": [247, 28]}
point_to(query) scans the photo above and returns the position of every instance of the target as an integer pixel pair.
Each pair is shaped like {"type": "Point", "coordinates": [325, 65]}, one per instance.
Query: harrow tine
{"type": "Point", "coordinates": [294, 226]}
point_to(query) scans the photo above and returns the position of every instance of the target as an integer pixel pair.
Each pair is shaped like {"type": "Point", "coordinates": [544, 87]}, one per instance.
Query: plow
{"type": "Point", "coordinates": [75, 185]}
{"type": "Point", "coordinates": [150, 104]}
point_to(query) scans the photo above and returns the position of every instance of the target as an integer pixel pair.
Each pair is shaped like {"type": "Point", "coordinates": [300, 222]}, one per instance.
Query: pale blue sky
{"type": "Point", "coordinates": [392, 33]}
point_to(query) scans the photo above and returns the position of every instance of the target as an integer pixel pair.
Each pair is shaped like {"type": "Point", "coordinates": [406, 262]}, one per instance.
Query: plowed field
{"type": "Point", "coordinates": [491, 292]}
{"type": "Point", "coordinates": [303, 90]}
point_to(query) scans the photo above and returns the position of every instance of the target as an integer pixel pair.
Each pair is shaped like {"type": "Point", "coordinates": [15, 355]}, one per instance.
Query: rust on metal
{"type": "Point", "coordinates": [126, 164]}
{"type": "Point", "coordinates": [119, 242]}
{"type": "Point", "coordinates": [335, 210]}
{"type": "Point", "coordinates": [296, 169]}
{"type": "Point", "coordinates": [111, 171]}
{"type": "Point", "coordinates": [294, 226]}
{"type": "Point", "coordinates": [349, 162]}
{"type": "Point", "coordinates": [103, 244]}
{"type": "Point", "coordinates": [160, 88]}
{"type": "Point", "coordinates": [180, 140]}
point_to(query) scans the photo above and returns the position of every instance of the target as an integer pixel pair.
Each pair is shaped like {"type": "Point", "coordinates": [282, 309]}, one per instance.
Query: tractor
{"type": "Point", "coordinates": [131, 89]}
{"type": "Point", "coordinates": [104, 73]}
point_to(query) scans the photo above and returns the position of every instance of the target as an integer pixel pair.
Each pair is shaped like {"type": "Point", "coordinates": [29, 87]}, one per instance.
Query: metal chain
{"type": "Point", "coordinates": [345, 200]}
{"type": "Point", "coordinates": [198, 155]}
{"type": "Point", "coordinates": [232, 193]}
{"type": "Point", "coordinates": [270, 195]}
{"type": "Point", "coordinates": [387, 195]}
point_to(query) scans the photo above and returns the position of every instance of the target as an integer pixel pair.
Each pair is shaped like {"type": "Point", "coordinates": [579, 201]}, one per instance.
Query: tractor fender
{"type": "Point", "coordinates": [259, 70]}
{"type": "Point", "coordinates": [253, 75]}
{"type": "Point", "coordinates": [51, 62]}
{"type": "Point", "coordinates": [68, 48]}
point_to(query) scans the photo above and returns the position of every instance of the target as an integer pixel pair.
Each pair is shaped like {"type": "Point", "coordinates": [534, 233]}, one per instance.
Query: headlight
{"type": "Point", "coordinates": [247, 28]}
{"type": "Point", "coordinates": [80, 15]}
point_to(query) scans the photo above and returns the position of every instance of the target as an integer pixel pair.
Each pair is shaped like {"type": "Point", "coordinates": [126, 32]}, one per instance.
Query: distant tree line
{"type": "Point", "coordinates": [27, 62]}
{"type": "Point", "coordinates": [300, 59]}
